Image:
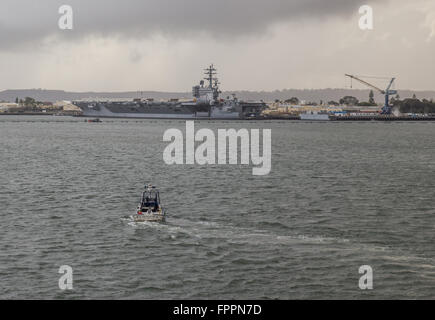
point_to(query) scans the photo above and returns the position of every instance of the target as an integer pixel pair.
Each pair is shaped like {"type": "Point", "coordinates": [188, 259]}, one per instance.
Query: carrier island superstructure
{"type": "Point", "coordinates": [205, 104]}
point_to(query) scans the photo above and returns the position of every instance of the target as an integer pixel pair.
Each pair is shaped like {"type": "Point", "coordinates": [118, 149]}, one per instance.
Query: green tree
{"type": "Point", "coordinates": [349, 101]}
{"type": "Point", "coordinates": [372, 97]}
{"type": "Point", "coordinates": [292, 100]}
{"type": "Point", "coordinates": [416, 106]}
{"type": "Point", "coordinates": [16, 100]}
{"type": "Point", "coordinates": [28, 102]}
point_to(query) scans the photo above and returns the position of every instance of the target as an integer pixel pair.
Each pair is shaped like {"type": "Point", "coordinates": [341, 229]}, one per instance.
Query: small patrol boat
{"type": "Point", "coordinates": [150, 209]}
{"type": "Point", "coordinates": [94, 120]}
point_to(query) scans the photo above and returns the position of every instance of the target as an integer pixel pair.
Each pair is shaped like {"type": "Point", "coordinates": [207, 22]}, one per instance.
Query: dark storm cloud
{"type": "Point", "coordinates": [29, 21]}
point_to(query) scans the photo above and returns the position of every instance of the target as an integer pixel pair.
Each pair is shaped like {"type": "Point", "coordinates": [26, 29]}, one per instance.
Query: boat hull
{"type": "Point", "coordinates": [149, 218]}
{"type": "Point", "coordinates": [168, 110]}
{"type": "Point", "coordinates": [314, 117]}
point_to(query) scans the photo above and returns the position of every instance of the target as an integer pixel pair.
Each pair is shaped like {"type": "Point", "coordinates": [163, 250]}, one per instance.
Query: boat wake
{"type": "Point", "coordinates": [191, 232]}
{"type": "Point", "coordinates": [229, 233]}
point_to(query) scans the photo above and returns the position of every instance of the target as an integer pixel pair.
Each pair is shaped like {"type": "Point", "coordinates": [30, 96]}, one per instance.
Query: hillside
{"type": "Point", "coordinates": [312, 95]}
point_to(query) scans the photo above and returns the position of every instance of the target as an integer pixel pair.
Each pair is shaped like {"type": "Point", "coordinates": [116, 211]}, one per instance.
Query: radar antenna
{"type": "Point", "coordinates": [210, 72]}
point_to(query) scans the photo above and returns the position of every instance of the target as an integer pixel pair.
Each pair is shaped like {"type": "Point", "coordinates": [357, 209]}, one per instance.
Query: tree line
{"type": "Point", "coordinates": [347, 101]}
{"type": "Point", "coordinates": [408, 105]}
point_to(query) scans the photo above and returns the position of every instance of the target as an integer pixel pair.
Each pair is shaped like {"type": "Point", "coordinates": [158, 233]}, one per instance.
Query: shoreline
{"type": "Point", "coordinates": [382, 118]}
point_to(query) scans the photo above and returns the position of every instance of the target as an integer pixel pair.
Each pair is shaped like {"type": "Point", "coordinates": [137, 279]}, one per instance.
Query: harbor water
{"type": "Point", "coordinates": [340, 195]}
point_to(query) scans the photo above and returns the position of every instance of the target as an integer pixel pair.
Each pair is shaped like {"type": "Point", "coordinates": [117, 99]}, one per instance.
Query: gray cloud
{"type": "Point", "coordinates": [24, 22]}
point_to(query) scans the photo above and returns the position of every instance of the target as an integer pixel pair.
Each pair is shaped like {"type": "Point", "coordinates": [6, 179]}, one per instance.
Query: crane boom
{"type": "Point", "coordinates": [389, 86]}
{"type": "Point", "coordinates": [366, 83]}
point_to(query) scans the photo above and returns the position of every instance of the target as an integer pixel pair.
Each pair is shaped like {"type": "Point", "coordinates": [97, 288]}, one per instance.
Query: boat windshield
{"type": "Point", "coordinates": [150, 198]}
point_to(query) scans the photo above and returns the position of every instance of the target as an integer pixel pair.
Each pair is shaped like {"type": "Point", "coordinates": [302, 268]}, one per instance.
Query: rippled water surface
{"type": "Point", "coordinates": [340, 195]}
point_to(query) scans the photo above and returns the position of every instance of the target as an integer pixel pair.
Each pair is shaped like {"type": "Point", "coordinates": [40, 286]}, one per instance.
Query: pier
{"type": "Point", "coordinates": [381, 118]}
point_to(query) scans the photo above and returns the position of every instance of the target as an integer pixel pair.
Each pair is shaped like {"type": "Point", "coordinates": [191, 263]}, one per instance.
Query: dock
{"type": "Point", "coordinates": [380, 118]}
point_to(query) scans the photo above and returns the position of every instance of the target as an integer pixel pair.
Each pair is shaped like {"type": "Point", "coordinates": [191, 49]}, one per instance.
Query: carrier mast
{"type": "Point", "coordinates": [210, 72]}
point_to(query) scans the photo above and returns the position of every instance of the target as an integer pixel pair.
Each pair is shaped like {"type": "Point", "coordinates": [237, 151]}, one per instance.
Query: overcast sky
{"type": "Point", "coordinates": [164, 45]}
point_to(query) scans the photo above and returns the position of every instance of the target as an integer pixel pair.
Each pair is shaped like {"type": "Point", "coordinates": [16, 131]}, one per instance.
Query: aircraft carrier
{"type": "Point", "coordinates": [205, 104]}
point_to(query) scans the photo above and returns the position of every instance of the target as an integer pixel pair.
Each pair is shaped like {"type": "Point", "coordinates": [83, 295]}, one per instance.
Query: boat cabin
{"type": "Point", "coordinates": [150, 199]}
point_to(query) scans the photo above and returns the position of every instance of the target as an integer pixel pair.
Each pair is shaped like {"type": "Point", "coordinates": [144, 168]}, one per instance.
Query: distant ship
{"type": "Point", "coordinates": [314, 116]}
{"type": "Point", "coordinates": [205, 104]}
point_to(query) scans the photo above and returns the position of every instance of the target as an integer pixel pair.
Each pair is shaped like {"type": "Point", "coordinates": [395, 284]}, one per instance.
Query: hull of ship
{"type": "Point", "coordinates": [104, 112]}
{"type": "Point", "coordinates": [315, 117]}
{"type": "Point", "coordinates": [100, 114]}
